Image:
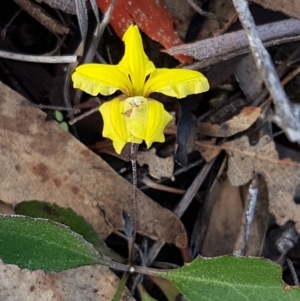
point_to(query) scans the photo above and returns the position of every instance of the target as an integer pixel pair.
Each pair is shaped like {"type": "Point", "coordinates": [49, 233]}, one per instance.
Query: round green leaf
{"type": "Point", "coordinates": [39, 244]}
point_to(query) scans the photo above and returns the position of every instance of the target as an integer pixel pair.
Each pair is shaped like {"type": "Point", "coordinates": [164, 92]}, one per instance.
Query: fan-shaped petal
{"type": "Point", "coordinates": [99, 78]}
{"type": "Point", "coordinates": [176, 82]}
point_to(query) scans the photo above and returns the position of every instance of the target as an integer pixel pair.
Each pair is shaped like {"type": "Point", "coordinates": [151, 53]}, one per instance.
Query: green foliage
{"type": "Point", "coordinates": [231, 278]}
{"type": "Point", "coordinates": [39, 244]}
{"type": "Point", "coordinates": [64, 126]}
{"type": "Point", "coordinates": [143, 293]}
{"type": "Point", "coordinates": [60, 215]}
{"type": "Point", "coordinates": [58, 116]}
{"type": "Point", "coordinates": [68, 217]}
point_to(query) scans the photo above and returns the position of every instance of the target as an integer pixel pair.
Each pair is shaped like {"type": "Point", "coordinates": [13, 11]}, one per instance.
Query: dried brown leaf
{"type": "Point", "coordinates": [225, 220]}
{"type": "Point", "coordinates": [158, 167]}
{"type": "Point", "coordinates": [85, 283]}
{"type": "Point", "coordinates": [207, 154]}
{"type": "Point", "coordinates": [282, 176]}
{"type": "Point", "coordinates": [238, 123]}
{"type": "Point", "coordinates": [39, 161]}
{"type": "Point", "coordinates": [288, 7]}
{"type": "Point", "coordinates": [249, 78]}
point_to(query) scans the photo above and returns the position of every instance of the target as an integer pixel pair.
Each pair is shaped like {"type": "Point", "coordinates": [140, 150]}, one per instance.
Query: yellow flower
{"type": "Point", "coordinates": [135, 117]}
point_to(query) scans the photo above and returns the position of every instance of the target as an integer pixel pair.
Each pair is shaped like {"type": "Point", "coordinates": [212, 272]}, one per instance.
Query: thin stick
{"type": "Point", "coordinates": [133, 160]}
{"type": "Point", "coordinates": [204, 13]}
{"type": "Point", "coordinates": [83, 115]}
{"type": "Point", "coordinates": [38, 58]}
{"type": "Point", "coordinates": [287, 116]}
{"type": "Point", "coordinates": [294, 274]}
{"type": "Point", "coordinates": [41, 16]}
{"type": "Point", "coordinates": [247, 219]}
{"type": "Point", "coordinates": [58, 108]}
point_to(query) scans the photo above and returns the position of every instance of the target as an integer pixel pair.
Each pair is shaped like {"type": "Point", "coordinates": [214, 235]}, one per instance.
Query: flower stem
{"type": "Point", "coordinates": [133, 158]}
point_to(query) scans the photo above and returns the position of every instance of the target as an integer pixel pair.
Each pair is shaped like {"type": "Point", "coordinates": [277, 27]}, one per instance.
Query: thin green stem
{"type": "Point", "coordinates": [121, 286]}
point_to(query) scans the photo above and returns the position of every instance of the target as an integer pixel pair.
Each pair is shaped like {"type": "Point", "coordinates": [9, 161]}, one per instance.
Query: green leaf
{"type": "Point", "coordinates": [143, 293]}
{"type": "Point", "coordinates": [58, 116]}
{"type": "Point", "coordinates": [231, 278]}
{"type": "Point", "coordinates": [69, 218]}
{"type": "Point", "coordinates": [60, 215]}
{"type": "Point", "coordinates": [64, 126]}
{"type": "Point", "coordinates": [39, 244]}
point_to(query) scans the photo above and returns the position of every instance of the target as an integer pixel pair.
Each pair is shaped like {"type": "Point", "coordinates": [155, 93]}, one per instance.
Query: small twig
{"type": "Point", "coordinates": [90, 54]}
{"type": "Point", "coordinates": [47, 107]}
{"type": "Point", "coordinates": [39, 59]}
{"type": "Point", "coordinates": [42, 17]}
{"type": "Point", "coordinates": [247, 219]}
{"type": "Point", "coordinates": [229, 45]}
{"type": "Point", "coordinates": [4, 30]}
{"type": "Point", "coordinates": [83, 115]}
{"type": "Point", "coordinates": [287, 116]}
{"type": "Point", "coordinates": [147, 181]}
{"type": "Point", "coordinates": [204, 13]}
{"type": "Point", "coordinates": [293, 272]}
{"type": "Point", "coordinates": [89, 57]}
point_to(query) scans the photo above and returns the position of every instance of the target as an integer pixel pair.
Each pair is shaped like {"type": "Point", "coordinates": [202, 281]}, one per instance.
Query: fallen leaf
{"type": "Point", "coordinates": [288, 7]}
{"type": "Point", "coordinates": [282, 176]}
{"type": "Point", "coordinates": [207, 154]}
{"type": "Point", "coordinates": [158, 167]}
{"type": "Point", "coordinates": [186, 133]}
{"type": "Point", "coordinates": [225, 220]}
{"type": "Point", "coordinates": [236, 124]}
{"type": "Point", "coordinates": [95, 283]}
{"type": "Point", "coordinates": [249, 78]}
{"type": "Point", "coordinates": [152, 18]}
{"type": "Point", "coordinates": [40, 161]}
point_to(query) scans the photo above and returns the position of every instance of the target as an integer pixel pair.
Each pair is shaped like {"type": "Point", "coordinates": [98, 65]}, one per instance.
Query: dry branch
{"type": "Point", "coordinates": [42, 17]}
{"type": "Point", "coordinates": [287, 116]}
{"type": "Point", "coordinates": [229, 45]}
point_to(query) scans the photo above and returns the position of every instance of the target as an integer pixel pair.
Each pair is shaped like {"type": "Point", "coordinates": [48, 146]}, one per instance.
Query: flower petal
{"type": "Point", "coordinates": [158, 118]}
{"type": "Point", "coordinates": [176, 82]}
{"type": "Point", "coordinates": [99, 78]}
{"type": "Point", "coordinates": [135, 63]}
{"type": "Point", "coordinates": [115, 124]}
{"type": "Point", "coordinates": [147, 120]}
